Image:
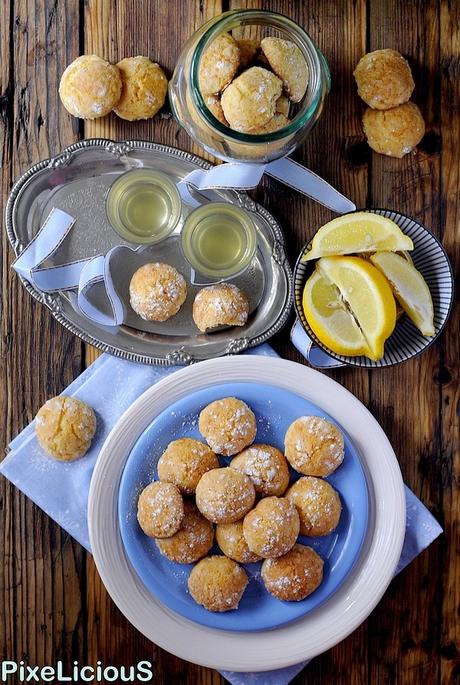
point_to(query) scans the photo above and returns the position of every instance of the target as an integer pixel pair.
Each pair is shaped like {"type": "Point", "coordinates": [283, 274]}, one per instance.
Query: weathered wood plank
{"type": "Point", "coordinates": [404, 631]}
{"type": "Point", "coordinates": [449, 462]}
{"type": "Point", "coordinates": [41, 615]}
{"type": "Point", "coordinates": [7, 578]}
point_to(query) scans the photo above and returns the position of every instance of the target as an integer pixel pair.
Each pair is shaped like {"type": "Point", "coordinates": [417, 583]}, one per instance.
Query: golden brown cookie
{"type": "Point", "coordinates": [276, 122]}
{"type": "Point", "coordinates": [157, 291]}
{"type": "Point", "coordinates": [224, 495]}
{"type": "Point", "coordinates": [217, 583]}
{"type": "Point", "coordinates": [144, 88]}
{"type": "Point", "coordinates": [394, 132]}
{"type": "Point", "coordinates": [228, 425]}
{"type": "Point", "coordinates": [314, 446]}
{"type": "Point", "coordinates": [249, 47]}
{"type": "Point", "coordinates": [218, 64]}
{"type": "Point", "coordinates": [160, 510]}
{"type": "Point", "coordinates": [230, 538]}
{"type": "Point", "coordinates": [266, 466]}
{"type": "Point", "coordinates": [250, 100]}
{"type": "Point", "coordinates": [214, 106]}
{"type": "Point", "coordinates": [192, 541]}
{"type": "Point", "coordinates": [64, 427]}
{"type": "Point", "coordinates": [384, 79]}
{"type": "Point", "coordinates": [222, 304]}
{"type": "Point", "coordinates": [293, 576]}
{"type": "Point", "coordinates": [183, 463]}
{"type": "Point", "coordinates": [90, 87]}
{"type": "Point", "coordinates": [317, 504]}
{"type": "Point", "coordinates": [272, 527]}
{"type": "Point", "coordinates": [287, 61]}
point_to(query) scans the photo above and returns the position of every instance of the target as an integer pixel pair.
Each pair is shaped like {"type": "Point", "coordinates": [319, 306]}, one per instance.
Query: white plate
{"type": "Point", "coordinates": [320, 629]}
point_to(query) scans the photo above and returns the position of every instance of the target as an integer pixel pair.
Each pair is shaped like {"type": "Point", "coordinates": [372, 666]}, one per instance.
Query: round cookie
{"type": "Point", "coordinates": [212, 102]}
{"type": "Point", "coordinates": [160, 510]}
{"type": "Point", "coordinates": [314, 446]}
{"type": "Point", "coordinates": [230, 538]}
{"type": "Point", "coordinates": [293, 576]}
{"type": "Point", "coordinates": [276, 122]}
{"type": "Point", "coordinates": [144, 88]}
{"type": "Point", "coordinates": [249, 102]}
{"type": "Point", "coordinates": [249, 48]}
{"type": "Point", "coordinates": [288, 63]}
{"type": "Point", "coordinates": [222, 304]}
{"type": "Point", "coordinates": [272, 527]}
{"type": "Point", "coordinates": [228, 426]}
{"type": "Point", "coordinates": [192, 541]}
{"type": "Point", "coordinates": [224, 495]}
{"type": "Point", "coordinates": [394, 132]}
{"type": "Point", "coordinates": [217, 583]}
{"type": "Point", "coordinates": [64, 427]}
{"type": "Point", "coordinates": [157, 291]}
{"type": "Point", "coordinates": [183, 463]}
{"type": "Point", "coordinates": [90, 87]}
{"type": "Point", "coordinates": [266, 466]}
{"type": "Point", "coordinates": [384, 79]}
{"type": "Point", "coordinates": [317, 504]}
{"type": "Point", "coordinates": [218, 64]}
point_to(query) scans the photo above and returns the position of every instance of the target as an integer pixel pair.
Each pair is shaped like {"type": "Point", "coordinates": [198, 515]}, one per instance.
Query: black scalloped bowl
{"type": "Point", "coordinates": [406, 340]}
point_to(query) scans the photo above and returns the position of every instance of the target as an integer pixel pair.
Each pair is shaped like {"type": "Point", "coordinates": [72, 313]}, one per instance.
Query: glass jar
{"type": "Point", "coordinates": [192, 113]}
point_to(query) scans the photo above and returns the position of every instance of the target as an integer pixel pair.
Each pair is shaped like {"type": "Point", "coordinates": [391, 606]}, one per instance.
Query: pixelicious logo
{"type": "Point", "coordinates": [21, 672]}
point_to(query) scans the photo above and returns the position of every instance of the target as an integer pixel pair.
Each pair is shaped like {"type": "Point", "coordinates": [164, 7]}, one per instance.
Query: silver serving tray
{"type": "Point", "coordinates": [77, 181]}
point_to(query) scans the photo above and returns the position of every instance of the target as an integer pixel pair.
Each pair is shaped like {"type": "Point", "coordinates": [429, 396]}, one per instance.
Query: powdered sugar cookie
{"type": "Point", "coordinates": [249, 102]}
{"type": "Point", "coordinates": [287, 61]}
{"type": "Point", "coordinates": [228, 425]}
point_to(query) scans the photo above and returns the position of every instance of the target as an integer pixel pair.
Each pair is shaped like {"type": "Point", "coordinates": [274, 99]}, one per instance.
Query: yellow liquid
{"type": "Point", "coordinates": [220, 242]}
{"type": "Point", "coordinates": [142, 207]}
{"type": "Point", "coordinates": [144, 210]}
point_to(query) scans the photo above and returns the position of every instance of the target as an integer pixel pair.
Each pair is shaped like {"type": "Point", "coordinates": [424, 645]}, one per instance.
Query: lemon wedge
{"type": "Point", "coordinates": [357, 232]}
{"type": "Point", "coordinates": [409, 288]}
{"type": "Point", "coordinates": [329, 318]}
{"type": "Point", "coordinates": [368, 296]}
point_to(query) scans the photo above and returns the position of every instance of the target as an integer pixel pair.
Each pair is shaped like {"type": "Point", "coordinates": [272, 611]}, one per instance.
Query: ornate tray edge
{"type": "Point", "coordinates": [52, 302]}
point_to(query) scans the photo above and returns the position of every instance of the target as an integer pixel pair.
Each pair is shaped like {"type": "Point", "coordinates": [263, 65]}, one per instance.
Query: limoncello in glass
{"type": "Point", "coordinates": [143, 206]}
{"type": "Point", "coordinates": [219, 240]}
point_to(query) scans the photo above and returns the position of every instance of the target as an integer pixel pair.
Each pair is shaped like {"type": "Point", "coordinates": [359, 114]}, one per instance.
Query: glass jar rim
{"type": "Point", "coordinates": [308, 47]}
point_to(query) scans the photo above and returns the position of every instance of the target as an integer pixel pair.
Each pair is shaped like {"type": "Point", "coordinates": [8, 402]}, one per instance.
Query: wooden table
{"type": "Point", "coordinates": [53, 605]}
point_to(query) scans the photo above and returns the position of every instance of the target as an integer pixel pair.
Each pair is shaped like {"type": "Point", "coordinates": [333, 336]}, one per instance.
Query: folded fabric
{"type": "Point", "coordinates": [61, 489]}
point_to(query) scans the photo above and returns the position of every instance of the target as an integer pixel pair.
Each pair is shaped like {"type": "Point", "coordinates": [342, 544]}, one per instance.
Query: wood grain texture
{"type": "Point", "coordinates": [43, 580]}
{"type": "Point", "coordinates": [54, 604]}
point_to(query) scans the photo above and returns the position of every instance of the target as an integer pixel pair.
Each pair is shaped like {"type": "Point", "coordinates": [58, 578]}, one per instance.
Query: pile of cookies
{"type": "Point", "coordinates": [157, 291]}
{"type": "Point", "coordinates": [393, 125]}
{"type": "Point", "coordinates": [91, 87]}
{"type": "Point", "coordinates": [248, 85]}
{"type": "Point", "coordinates": [257, 513]}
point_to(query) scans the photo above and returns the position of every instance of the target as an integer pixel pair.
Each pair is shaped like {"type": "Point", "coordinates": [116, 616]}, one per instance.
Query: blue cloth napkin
{"type": "Point", "coordinates": [61, 489]}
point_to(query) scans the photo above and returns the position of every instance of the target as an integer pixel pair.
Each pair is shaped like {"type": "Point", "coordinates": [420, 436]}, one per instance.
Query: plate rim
{"type": "Point", "coordinates": [126, 509]}
{"type": "Point", "coordinates": [177, 355]}
{"type": "Point", "coordinates": [255, 651]}
{"type": "Point", "coordinates": [370, 364]}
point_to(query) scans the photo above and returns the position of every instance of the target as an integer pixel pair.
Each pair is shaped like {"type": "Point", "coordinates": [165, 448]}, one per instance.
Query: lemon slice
{"type": "Point", "coordinates": [330, 319]}
{"type": "Point", "coordinates": [358, 232]}
{"type": "Point", "coordinates": [410, 289]}
{"type": "Point", "coordinates": [368, 295]}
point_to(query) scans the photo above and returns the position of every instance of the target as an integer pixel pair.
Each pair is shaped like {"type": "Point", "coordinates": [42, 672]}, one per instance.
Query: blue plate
{"type": "Point", "coordinates": [275, 409]}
